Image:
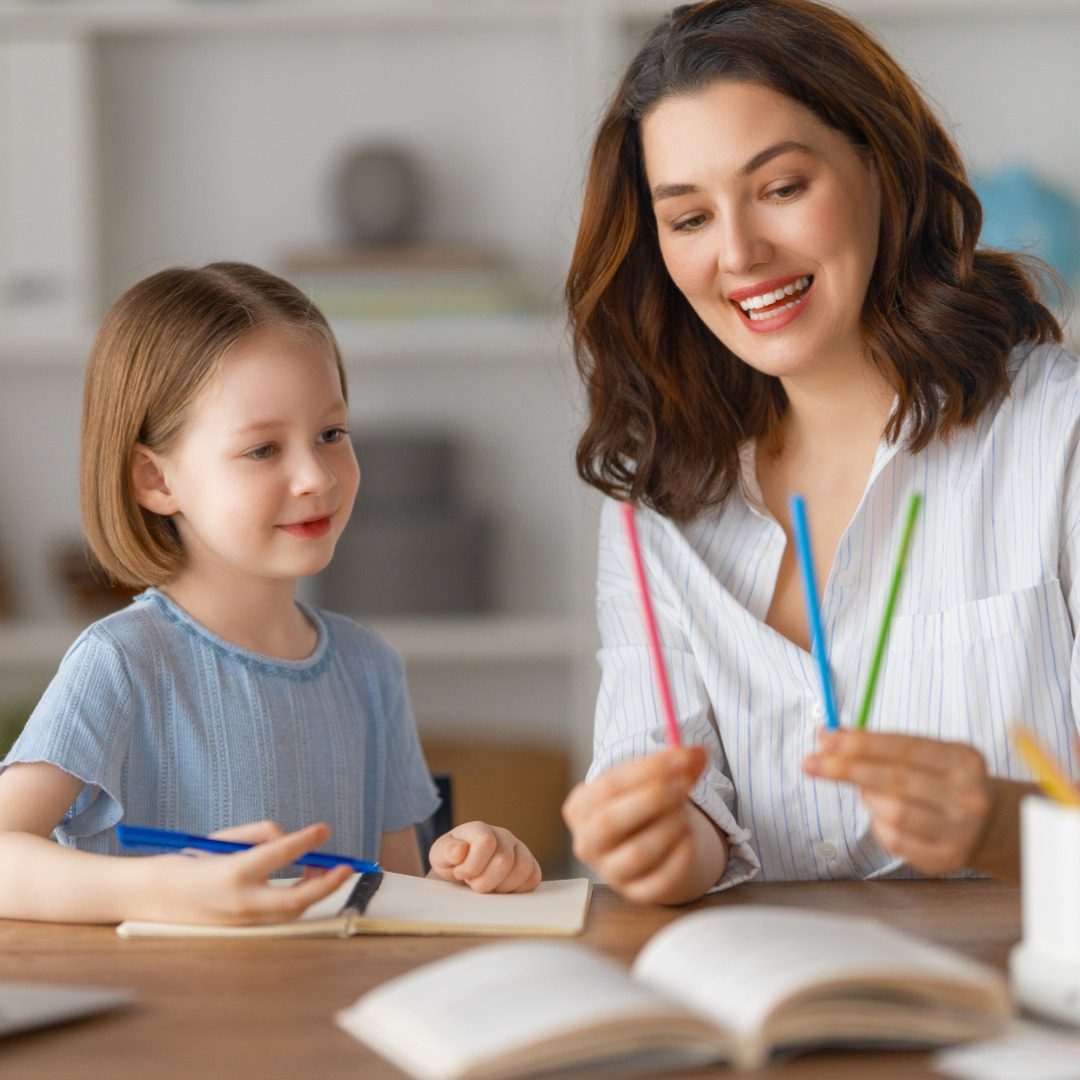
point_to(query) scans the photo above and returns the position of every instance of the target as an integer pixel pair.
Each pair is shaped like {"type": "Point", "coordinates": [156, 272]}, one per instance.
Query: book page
{"type": "Point", "coordinates": [522, 1005]}
{"type": "Point", "coordinates": [737, 964]}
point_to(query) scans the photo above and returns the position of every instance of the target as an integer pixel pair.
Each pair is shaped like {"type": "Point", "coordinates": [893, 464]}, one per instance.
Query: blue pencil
{"type": "Point", "coordinates": [813, 612]}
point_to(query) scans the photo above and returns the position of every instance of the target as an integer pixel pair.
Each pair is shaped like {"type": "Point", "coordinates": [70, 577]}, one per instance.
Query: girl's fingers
{"type": "Point", "coordinates": [263, 859]}
{"type": "Point", "coordinates": [526, 874]}
{"type": "Point", "coordinates": [482, 843]}
{"type": "Point", "coordinates": [272, 903]}
{"type": "Point", "coordinates": [255, 832]}
{"type": "Point", "coordinates": [507, 863]}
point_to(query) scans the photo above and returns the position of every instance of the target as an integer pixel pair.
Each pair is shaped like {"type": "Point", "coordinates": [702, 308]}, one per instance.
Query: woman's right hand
{"type": "Point", "coordinates": [637, 828]}
{"type": "Point", "coordinates": [232, 890]}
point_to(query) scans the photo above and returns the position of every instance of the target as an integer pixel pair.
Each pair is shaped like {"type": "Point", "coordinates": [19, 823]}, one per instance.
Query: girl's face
{"type": "Point", "coordinates": [768, 224]}
{"type": "Point", "coordinates": [262, 478]}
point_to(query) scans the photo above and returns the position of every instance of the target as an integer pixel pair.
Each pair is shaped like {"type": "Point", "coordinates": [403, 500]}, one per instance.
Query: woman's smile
{"type": "Point", "coordinates": [773, 306]}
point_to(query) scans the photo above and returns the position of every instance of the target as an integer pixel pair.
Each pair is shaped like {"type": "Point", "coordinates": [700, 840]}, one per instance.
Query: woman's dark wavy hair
{"type": "Point", "coordinates": [669, 404]}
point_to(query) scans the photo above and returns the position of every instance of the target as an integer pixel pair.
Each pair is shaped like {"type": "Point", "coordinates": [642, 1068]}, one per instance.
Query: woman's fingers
{"type": "Point", "coordinates": [645, 851]}
{"type": "Point", "coordinates": [616, 806]}
{"type": "Point", "coordinates": [928, 799]}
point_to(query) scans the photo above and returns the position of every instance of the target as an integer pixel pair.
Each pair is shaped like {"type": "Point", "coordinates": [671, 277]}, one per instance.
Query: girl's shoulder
{"type": "Point", "coordinates": [355, 640]}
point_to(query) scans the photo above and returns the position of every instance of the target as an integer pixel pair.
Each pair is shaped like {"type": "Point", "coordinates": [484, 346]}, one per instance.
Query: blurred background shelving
{"type": "Point", "coordinates": [139, 135]}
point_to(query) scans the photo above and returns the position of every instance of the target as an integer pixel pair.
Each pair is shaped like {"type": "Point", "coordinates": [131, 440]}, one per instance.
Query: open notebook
{"type": "Point", "coordinates": [402, 904]}
{"type": "Point", "coordinates": [731, 984]}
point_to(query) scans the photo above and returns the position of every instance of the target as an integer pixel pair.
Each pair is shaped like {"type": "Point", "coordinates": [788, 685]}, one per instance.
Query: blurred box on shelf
{"type": "Point", "coordinates": [411, 281]}
{"type": "Point", "coordinates": [412, 547]}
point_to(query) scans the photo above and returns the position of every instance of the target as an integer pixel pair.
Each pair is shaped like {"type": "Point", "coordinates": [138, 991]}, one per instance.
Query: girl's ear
{"type": "Point", "coordinates": [148, 477]}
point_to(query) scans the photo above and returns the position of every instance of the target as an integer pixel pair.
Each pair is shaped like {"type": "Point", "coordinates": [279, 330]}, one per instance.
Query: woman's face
{"type": "Point", "coordinates": [768, 224]}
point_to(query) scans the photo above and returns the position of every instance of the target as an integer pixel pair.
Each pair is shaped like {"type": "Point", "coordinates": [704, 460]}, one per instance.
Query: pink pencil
{"type": "Point", "coordinates": [630, 525]}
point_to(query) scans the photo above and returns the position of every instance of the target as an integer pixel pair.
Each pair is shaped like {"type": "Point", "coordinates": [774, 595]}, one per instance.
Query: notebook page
{"type": "Point", "coordinates": [554, 906]}
{"type": "Point", "coordinates": [735, 964]}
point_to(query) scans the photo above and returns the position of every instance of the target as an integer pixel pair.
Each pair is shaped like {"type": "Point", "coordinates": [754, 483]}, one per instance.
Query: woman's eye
{"type": "Point", "coordinates": [261, 453]}
{"type": "Point", "coordinates": [785, 192]}
{"type": "Point", "coordinates": [689, 224]}
{"type": "Point", "coordinates": [334, 434]}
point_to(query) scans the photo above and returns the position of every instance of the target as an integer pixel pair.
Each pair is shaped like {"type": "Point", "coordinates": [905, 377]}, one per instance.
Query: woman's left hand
{"type": "Point", "coordinates": [929, 801]}
{"type": "Point", "coordinates": [485, 857]}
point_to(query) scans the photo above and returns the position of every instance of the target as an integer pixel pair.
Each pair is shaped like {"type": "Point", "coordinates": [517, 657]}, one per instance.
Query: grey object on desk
{"type": "Point", "coordinates": [26, 1006]}
{"type": "Point", "coordinates": [412, 547]}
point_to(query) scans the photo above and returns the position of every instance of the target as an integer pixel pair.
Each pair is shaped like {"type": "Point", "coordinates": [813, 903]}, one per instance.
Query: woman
{"type": "Point", "coordinates": [776, 289]}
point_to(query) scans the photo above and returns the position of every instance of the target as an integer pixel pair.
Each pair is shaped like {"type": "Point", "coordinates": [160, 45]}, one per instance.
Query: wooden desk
{"type": "Point", "coordinates": [232, 1009]}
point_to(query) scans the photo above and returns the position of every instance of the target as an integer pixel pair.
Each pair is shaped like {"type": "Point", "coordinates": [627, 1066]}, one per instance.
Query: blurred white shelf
{"type": "Point", "coordinates": [504, 340]}
{"type": "Point", "coordinates": [39, 645]}
{"type": "Point", "coordinates": [487, 639]}
{"type": "Point", "coordinates": [129, 17]}
{"type": "Point", "coordinates": [646, 10]}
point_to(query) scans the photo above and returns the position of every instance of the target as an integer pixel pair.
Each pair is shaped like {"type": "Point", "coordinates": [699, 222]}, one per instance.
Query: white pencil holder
{"type": "Point", "coordinates": [1045, 966]}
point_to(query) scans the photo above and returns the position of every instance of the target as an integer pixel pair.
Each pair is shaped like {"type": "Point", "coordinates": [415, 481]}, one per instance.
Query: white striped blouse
{"type": "Point", "coordinates": [983, 636]}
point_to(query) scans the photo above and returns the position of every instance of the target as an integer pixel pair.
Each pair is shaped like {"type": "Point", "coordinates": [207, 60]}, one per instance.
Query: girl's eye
{"type": "Point", "coordinates": [262, 453]}
{"type": "Point", "coordinates": [334, 434]}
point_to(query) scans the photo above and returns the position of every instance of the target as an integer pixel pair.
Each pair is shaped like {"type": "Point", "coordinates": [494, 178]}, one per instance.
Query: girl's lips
{"type": "Point", "coordinates": [308, 529]}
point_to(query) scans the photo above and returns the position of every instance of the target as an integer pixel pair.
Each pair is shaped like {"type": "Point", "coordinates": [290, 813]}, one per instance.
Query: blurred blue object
{"type": "Point", "coordinates": [1022, 212]}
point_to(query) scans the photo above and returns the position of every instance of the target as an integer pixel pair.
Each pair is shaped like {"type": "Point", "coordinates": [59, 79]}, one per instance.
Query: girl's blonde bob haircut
{"type": "Point", "coordinates": [158, 346]}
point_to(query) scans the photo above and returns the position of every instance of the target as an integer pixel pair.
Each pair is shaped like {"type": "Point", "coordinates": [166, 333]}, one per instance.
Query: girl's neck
{"type": "Point", "coordinates": [261, 617]}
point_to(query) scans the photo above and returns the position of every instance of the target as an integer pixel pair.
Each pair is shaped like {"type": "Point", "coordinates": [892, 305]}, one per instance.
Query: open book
{"type": "Point", "coordinates": [403, 904]}
{"type": "Point", "coordinates": [733, 983]}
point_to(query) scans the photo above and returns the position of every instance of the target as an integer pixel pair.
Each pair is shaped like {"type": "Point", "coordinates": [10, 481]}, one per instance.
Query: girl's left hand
{"type": "Point", "coordinates": [929, 801]}
{"type": "Point", "coordinates": [485, 857]}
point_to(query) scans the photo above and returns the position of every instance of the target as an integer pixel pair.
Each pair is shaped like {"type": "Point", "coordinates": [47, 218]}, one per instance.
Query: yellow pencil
{"type": "Point", "coordinates": [1049, 776]}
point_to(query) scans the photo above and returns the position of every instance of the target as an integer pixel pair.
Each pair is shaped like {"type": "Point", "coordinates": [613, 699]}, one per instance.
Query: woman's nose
{"type": "Point", "coordinates": [742, 244]}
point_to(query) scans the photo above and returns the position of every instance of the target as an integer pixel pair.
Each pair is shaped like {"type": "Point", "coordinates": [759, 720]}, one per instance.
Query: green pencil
{"type": "Point", "coordinates": [886, 619]}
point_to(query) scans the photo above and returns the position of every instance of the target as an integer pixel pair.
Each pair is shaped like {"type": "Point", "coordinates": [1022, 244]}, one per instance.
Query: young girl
{"type": "Point", "coordinates": [776, 289]}
{"type": "Point", "coordinates": [217, 469]}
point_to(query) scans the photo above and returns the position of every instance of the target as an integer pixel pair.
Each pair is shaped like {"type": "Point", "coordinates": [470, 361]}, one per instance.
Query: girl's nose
{"type": "Point", "coordinates": [312, 475]}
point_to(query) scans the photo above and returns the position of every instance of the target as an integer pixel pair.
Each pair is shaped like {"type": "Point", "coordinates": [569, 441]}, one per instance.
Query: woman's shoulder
{"type": "Point", "coordinates": [1036, 368]}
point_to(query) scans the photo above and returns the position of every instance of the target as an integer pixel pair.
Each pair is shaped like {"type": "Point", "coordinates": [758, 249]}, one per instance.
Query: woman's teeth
{"type": "Point", "coordinates": [753, 305]}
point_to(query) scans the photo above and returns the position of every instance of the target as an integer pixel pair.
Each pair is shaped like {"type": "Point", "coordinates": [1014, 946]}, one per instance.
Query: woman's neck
{"type": "Point", "coordinates": [832, 413]}
{"type": "Point", "coordinates": [259, 616]}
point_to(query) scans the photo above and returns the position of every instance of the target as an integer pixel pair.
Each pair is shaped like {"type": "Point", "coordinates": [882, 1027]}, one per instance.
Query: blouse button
{"type": "Point", "coordinates": [828, 850]}
{"type": "Point", "coordinates": [818, 711]}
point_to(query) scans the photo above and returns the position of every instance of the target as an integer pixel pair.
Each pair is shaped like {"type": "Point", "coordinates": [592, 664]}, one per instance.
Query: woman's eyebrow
{"type": "Point", "coordinates": [763, 157]}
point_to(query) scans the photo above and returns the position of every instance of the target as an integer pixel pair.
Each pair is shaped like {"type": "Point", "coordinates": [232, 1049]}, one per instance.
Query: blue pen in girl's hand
{"type": "Point", "coordinates": [141, 838]}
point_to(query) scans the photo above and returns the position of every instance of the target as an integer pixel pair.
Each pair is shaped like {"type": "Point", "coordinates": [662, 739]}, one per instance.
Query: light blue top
{"type": "Point", "coordinates": [171, 726]}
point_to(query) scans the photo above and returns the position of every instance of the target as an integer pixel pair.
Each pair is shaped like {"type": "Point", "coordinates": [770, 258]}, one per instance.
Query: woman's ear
{"type": "Point", "coordinates": [148, 478]}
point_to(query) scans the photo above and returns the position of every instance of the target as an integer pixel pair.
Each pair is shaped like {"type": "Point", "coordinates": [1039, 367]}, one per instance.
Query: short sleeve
{"type": "Point", "coordinates": [410, 793]}
{"type": "Point", "coordinates": [629, 723]}
{"type": "Point", "coordinates": [82, 725]}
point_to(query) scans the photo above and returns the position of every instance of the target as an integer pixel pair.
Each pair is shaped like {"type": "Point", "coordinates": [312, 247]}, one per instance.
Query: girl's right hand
{"type": "Point", "coordinates": [232, 890]}
{"type": "Point", "coordinates": [636, 827]}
